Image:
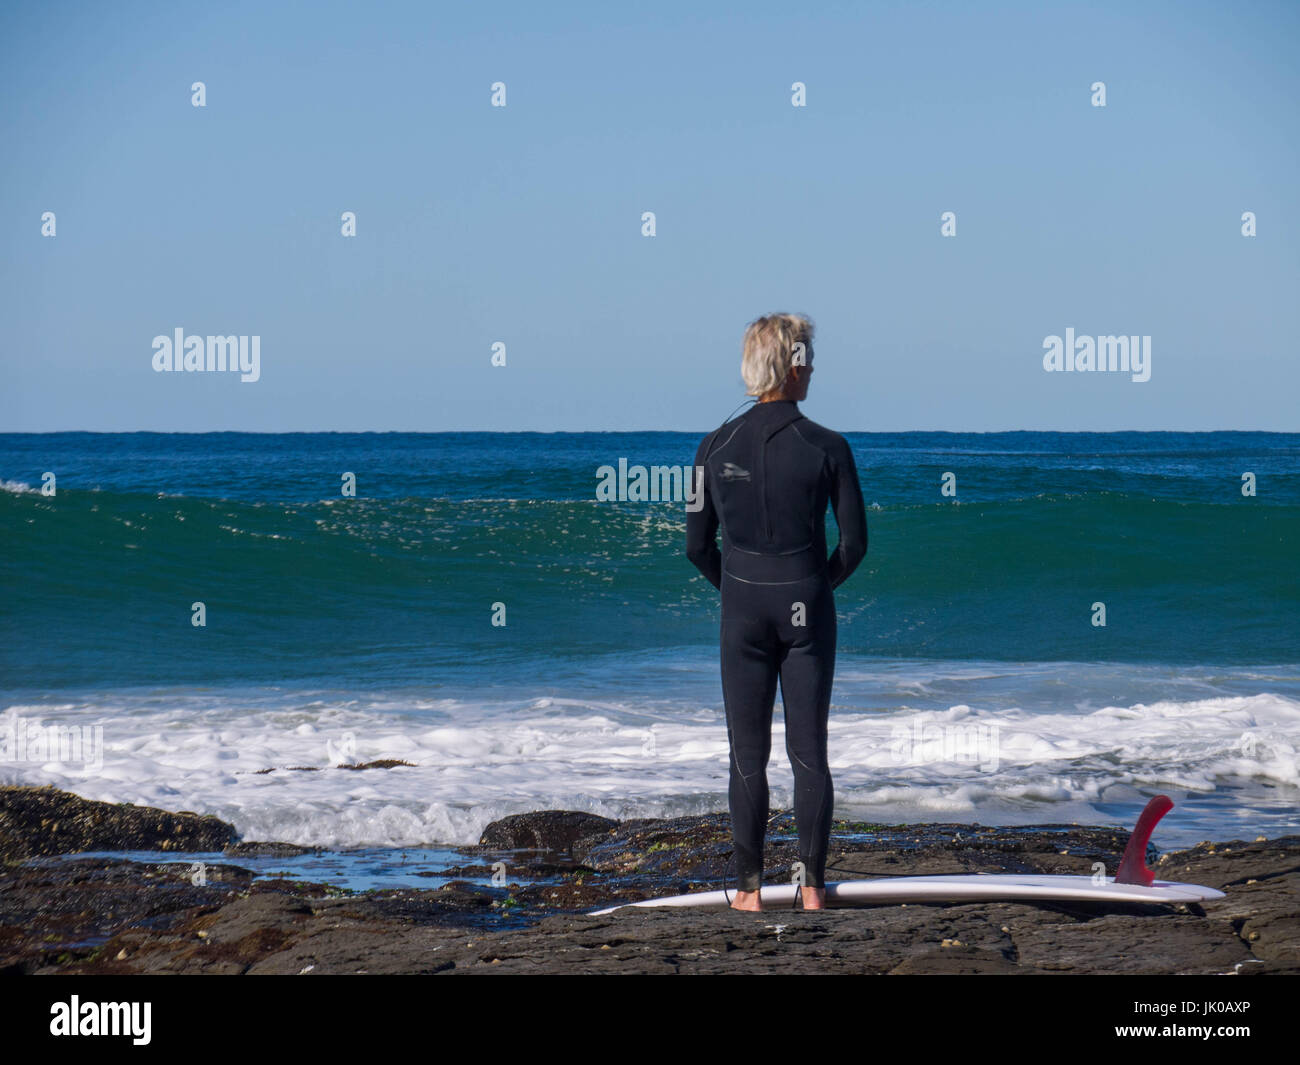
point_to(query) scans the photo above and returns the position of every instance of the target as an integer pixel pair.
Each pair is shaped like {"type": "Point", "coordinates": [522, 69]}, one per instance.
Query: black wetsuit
{"type": "Point", "coordinates": [768, 476]}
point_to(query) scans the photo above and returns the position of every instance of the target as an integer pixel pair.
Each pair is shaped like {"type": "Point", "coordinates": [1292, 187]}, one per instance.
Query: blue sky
{"type": "Point", "coordinates": [523, 224]}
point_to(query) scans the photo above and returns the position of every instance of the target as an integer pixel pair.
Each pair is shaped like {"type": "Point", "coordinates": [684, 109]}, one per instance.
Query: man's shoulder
{"type": "Point", "coordinates": [817, 434]}
{"type": "Point", "coordinates": [719, 436]}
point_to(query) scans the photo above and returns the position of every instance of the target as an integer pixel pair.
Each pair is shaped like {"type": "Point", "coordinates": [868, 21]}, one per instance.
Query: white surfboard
{"type": "Point", "coordinates": [1133, 882]}
{"type": "Point", "coordinates": [973, 887]}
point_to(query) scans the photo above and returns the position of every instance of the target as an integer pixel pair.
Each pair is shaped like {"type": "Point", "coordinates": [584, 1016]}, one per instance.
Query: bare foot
{"type": "Point", "coordinates": [814, 898]}
{"type": "Point", "coordinates": [747, 900]}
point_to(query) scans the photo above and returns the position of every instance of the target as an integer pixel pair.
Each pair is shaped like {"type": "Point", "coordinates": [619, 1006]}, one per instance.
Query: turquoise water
{"type": "Point", "coordinates": [341, 630]}
{"type": "Point", "coordinates": [396, 585]}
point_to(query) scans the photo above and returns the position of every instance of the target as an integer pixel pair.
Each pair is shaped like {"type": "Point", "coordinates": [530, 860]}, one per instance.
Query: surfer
{"type": "Point", "coordinates": [767, 478]}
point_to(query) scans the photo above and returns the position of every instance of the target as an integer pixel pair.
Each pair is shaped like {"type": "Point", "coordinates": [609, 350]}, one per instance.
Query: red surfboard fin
{"type": "Point", "coordinates": [1133, 866]}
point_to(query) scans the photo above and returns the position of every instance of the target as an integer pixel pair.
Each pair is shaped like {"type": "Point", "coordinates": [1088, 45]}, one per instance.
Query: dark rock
{"type": "Point", "coordinates": [38, 822]}
{"type": "Point", "coordinates": [692, 848]}
{"type": "Point", "coordinates": [104, 916]}
{"type": "Point", "coordinates": [547, 830]}
{"type": "Point", "coordinates": [379, 763]}
{"type": "Point", "coordinates": [59, 912]}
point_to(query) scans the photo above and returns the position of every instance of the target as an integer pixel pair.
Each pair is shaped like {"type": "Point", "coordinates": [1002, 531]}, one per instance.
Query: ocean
{"type": "Point", "coordinates": [973, 683]}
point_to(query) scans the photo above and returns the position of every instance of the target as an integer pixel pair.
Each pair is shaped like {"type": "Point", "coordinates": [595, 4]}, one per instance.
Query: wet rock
{"type": "Point", "coordinates": [379, 763]}
{"type": "Point", "coordinates": [58, 913]}
{"type": "Point", "coordinates": [545, 830]}
{"type": "Point", "coordinates": [685, 849]}
{"type": "Point", "coordinates": [98, 916]}
{"type": "Point", "coordinates": [46, 822]}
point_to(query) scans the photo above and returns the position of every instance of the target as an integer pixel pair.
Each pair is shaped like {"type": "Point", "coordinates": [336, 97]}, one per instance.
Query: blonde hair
{"type": "Point", "coordinates": [768, 350]}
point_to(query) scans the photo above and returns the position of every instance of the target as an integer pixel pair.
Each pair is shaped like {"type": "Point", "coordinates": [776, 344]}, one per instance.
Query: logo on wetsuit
{"type": "Point", "coordinates": [732, 472]}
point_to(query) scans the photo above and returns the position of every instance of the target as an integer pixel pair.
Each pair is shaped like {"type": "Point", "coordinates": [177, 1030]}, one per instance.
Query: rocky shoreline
{"type": "Point", "coordinates": [109, 915]}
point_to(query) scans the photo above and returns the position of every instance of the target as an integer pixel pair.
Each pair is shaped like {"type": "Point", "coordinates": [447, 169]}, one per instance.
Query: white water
{"type": "Point", "coordinates": [901, 750]}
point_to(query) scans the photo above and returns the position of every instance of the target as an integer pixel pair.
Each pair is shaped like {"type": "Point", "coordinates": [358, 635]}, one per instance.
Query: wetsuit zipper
{"type": "Point", "coordinates": [760, 467]}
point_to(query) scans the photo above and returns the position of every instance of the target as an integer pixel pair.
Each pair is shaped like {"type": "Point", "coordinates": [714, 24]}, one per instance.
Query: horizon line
{"type": "Point", "coordinates": [609, 432]}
